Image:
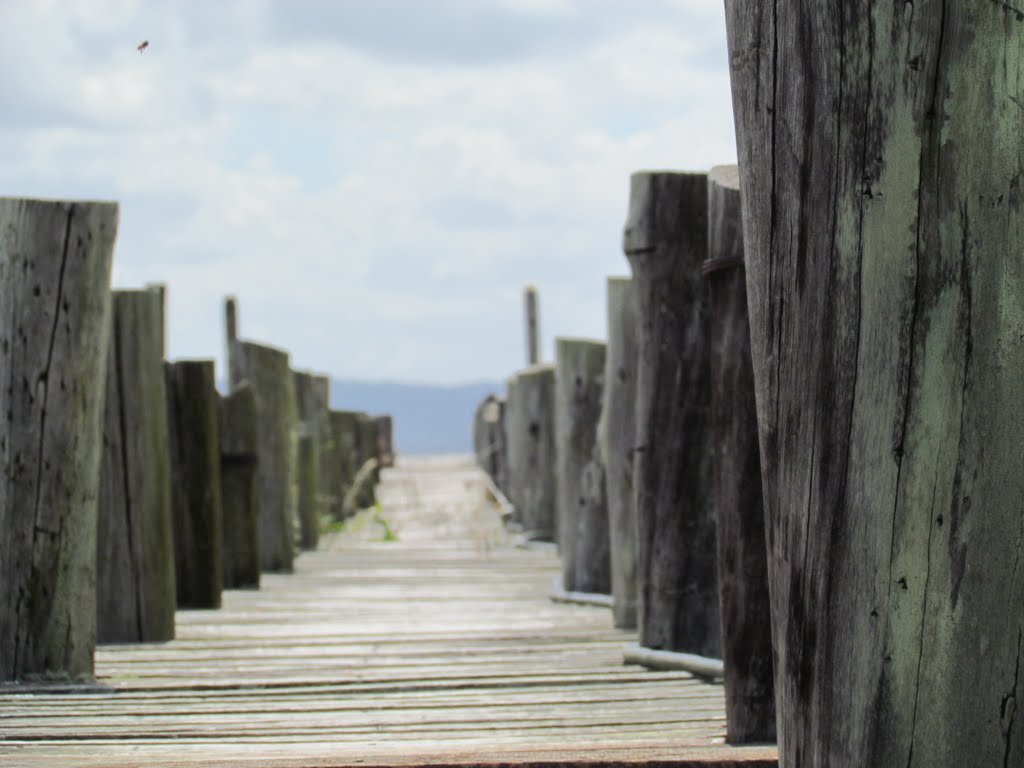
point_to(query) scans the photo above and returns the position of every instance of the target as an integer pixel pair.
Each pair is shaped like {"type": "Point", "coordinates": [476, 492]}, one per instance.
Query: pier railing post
{"type": "Point", "coordinates": [55, 263]}
{"type": "Point", "coordinates": [742, 552]}
{"type": "Point", "coordinates": [135, 586]}
{"type": "Point", "coordinates": [194, 422]}
{"type": "Point", "coordinates": [880, 165]}
{"type": "Point", "coordinates": [530, 427]}
{"type": "Point", "coordinates": [665, 240]}
{"type": "Point", "coordinates": [240, 487]}
{"type": "Point", "coordinates": [581, 506]}
{"type": "Point", "coordinates": [616, 438]}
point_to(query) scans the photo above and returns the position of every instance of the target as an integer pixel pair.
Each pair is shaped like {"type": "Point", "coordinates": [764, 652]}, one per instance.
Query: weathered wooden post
{"type": "Point", "coordinates": [160, 289]}
{"type": "Point", "coordinates": [240, 487]}
{"type": "Point", "coordinates": [322, 395]}
{"type": "Point", "coordinates": [344, 431]}
{"type": "Point", "coordinates": [311, 401]}
{"type": "Point", "coordinates": [489, 437]}
{"type": "Point", "coordinates": [665, 239]}
{"type": "Point", "coordinates": [579, 476]}
{"type": "Point", "coordinates": [742, 552]}
{"type": "Point", "coordinates": [194, 421]}
{"type": "Point", "coordinates": [268, 372]}
{"type": "Point", "coordinates": [531, 432]}
{"type": "Point", "coordinates": [532, 325]}
{"type": "Point", "coordinates": [385, 442]}
{"type": "Point", "coordinates": [135, 587]}
{"type": "Point", "coordinates": [880, 164]}
{"type": "Point", "coordinates": [54, 333]}
{"type": "Point", "coordinates": [616, 432]}
{"type": "Point", "coordinates": [231, 360]}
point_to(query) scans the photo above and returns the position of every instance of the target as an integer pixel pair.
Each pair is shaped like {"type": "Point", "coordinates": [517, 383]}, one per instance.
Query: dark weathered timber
{"type": "Point", "coordinates": [881, 167]}
{"type": "Point", "coordinates": [532, 319]}
{"type": "Point", "coordinates": [240, 487]}
{"type": "Point", "coordinates": [344, 436]}
{"type": "Point", "coordinates": [739, 513]}
{"type": "Point", "coordinates": [54, 334]}
{"type": "Point", "coordinates": [366, 440]}
{"type": "Point", "coordinates": [322, 393]}
{"type": "Point", "coordinates": [615, 439]}
{"type": "Point", "coordinates": [665, 239]}
{"type": "Point", "coordinates": [385, 440]}
{"type": "Point", "coordinates": [231, 359]}
{"type": "Point", "coordinates": [160, 289]}
{"type": "Point", "coordinates": [268, 372]}
{"type": "Point", "coordinates": [579, 475]}
{"type": "Point", "coordinates": [311, 401]}
{"type": "Point", "coordinates": [194, 420]}
{"type": "Point", "coordinates": [135, 588]}
{"type": "Point", "coordinates": [530, 428]}
{"type": "Point", "coordinates": [489, 447]}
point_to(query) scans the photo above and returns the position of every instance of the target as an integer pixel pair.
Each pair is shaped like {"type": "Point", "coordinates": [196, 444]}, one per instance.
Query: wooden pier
{"type": "Point", "coordinates": [419, 635]}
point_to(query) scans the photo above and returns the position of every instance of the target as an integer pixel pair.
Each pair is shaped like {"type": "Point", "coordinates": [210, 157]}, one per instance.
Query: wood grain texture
{"type": "Point", "coordinates": [616, 438]}
{"type": "Point", "coordinates": [55, 263]}
{"type": "Point", "coordinates": [232, 360]}
{"type": "Point", "coordinates": [194, 420]}
{"type": "Point", "coordinates": [530, 424]}
{"type": "Point", "coordinates": [268, 372]}
{"type": "Point", "coordinates": [531, 317]}
{"type": "Point", "coordinates": [880, 157]}
{"type": "Point", "coordinates": [311, 404]}
{"type": "Point", "coordinates": [665, 239]}
{"type": "Point", "coordinates": [343, 456]}
{"type": "Point", "coordinates": [240, 487]}
{"type": "Point", "coordinates": [437, 648]}
{"type": "Point", "coordinates": [739, 512]}
{"type": "Point", "coordinates": [579, 474]}
{"type": "Point", "coordinates": [135, 587]}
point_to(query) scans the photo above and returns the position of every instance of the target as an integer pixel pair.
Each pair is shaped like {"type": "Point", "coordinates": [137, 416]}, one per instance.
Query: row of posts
{"type": "Point", "coordinates": [638, 455]}
{"type": "Point", "coordinates": [130, 486]}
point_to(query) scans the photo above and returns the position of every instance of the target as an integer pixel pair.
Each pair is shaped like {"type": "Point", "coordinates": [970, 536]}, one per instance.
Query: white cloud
{"type": "Point", "coordinates": [376, 201]}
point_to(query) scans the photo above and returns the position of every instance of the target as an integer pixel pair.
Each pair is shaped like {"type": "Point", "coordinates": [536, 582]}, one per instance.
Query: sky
{"type": "Point", "coordinates": [375, 180]}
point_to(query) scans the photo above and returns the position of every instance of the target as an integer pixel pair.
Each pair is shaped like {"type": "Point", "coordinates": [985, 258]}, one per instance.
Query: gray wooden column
{"type": "Point", "coordinates": [344, 429]}
{"type": "Point", "coordinates": [194, 421]}
{"type": "Point", "coordinates": [268, 372]}
{"type": "Point", "coordinates": [160, 289]}
{"type": "Point", "coordinates": [240, 487]}
{"type": "Point", "coordinates": [311, 402]}
{"type": "Point", "coordinates": [54, 333]}
{"type": "Point", "coordinates": [231, 360]}
{"type": "Point", "coordinates": [489, 438]}
{"type": "Point", "coordinates": [531, 315]}
{"type": "Point", "coordinates": [616, 433]}
{"type": "Point", "coordinates": [385, 440]}
{"type": "Point", "coordinates": [881, 165]}
{"type": "Point", "coordinates": [666, 241]}
{"type": "Point", "coordinates": [135, 587]}
{"type": "Point", "coordinates": [322, 394]}
{"type": "Point", "coordinates": [742, 551]}
{"type": "Point", "coordinates": [531, 432]}
{"type": "Point", "coordinates": [579, 475]}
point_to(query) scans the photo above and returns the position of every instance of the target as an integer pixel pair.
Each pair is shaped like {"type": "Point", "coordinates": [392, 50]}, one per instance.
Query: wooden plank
{"type": "Point", "coordinates": [426, 664]}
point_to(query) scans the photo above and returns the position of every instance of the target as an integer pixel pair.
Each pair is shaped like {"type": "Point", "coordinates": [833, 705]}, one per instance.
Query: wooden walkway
{"type": "Point", "coordinates": [429, 640]}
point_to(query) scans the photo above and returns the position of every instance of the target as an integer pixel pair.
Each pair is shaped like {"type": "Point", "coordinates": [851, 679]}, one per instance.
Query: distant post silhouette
{"type": "Point", "coordinates": [532, 324]}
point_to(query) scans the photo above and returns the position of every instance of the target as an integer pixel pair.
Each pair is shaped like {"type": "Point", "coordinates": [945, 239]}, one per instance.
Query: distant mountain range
{"type": "Point", "coordinates": [427, 418]}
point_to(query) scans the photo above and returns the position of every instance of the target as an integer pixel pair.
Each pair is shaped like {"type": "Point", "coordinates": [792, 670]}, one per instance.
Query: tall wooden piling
{"type": "Point", "coordinates": [880, 164]}
{"type": "Point", "coordinates": [194, 421]}
{"type": "Point", "coordinates": [739, 513]}
{"type": "Point", "coordinates": [311, 402]}
{"type": "Point", "coordinates": [54, 334]}
{"type": "Point", "coordinates": [531, 433]}
{"type": "Point", "coordinates": [240, 487]}
{"type": "Point", "coordinates": [579, 474]}
{"type": "Point", "coordinates": [231, 360]}
{"type": "Point", "coordinates": [385, 440]}
{"type": "Point", "coordinates": [616, 437]}
{"type": "Point", "coordinates": [267, 371]}
{"type": "Point", "coordinates": [489, 444]}
{"type": "Point", "coordinates": [665, 240]}
{"type": "Point", "coordinates": [135, 587]}
{"type": "Point", "coordinates": [160, 289]}
{"type": "Point", "coordinates": [532, 320]}
{"type": "Point", "coordinates": [344, 436]}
